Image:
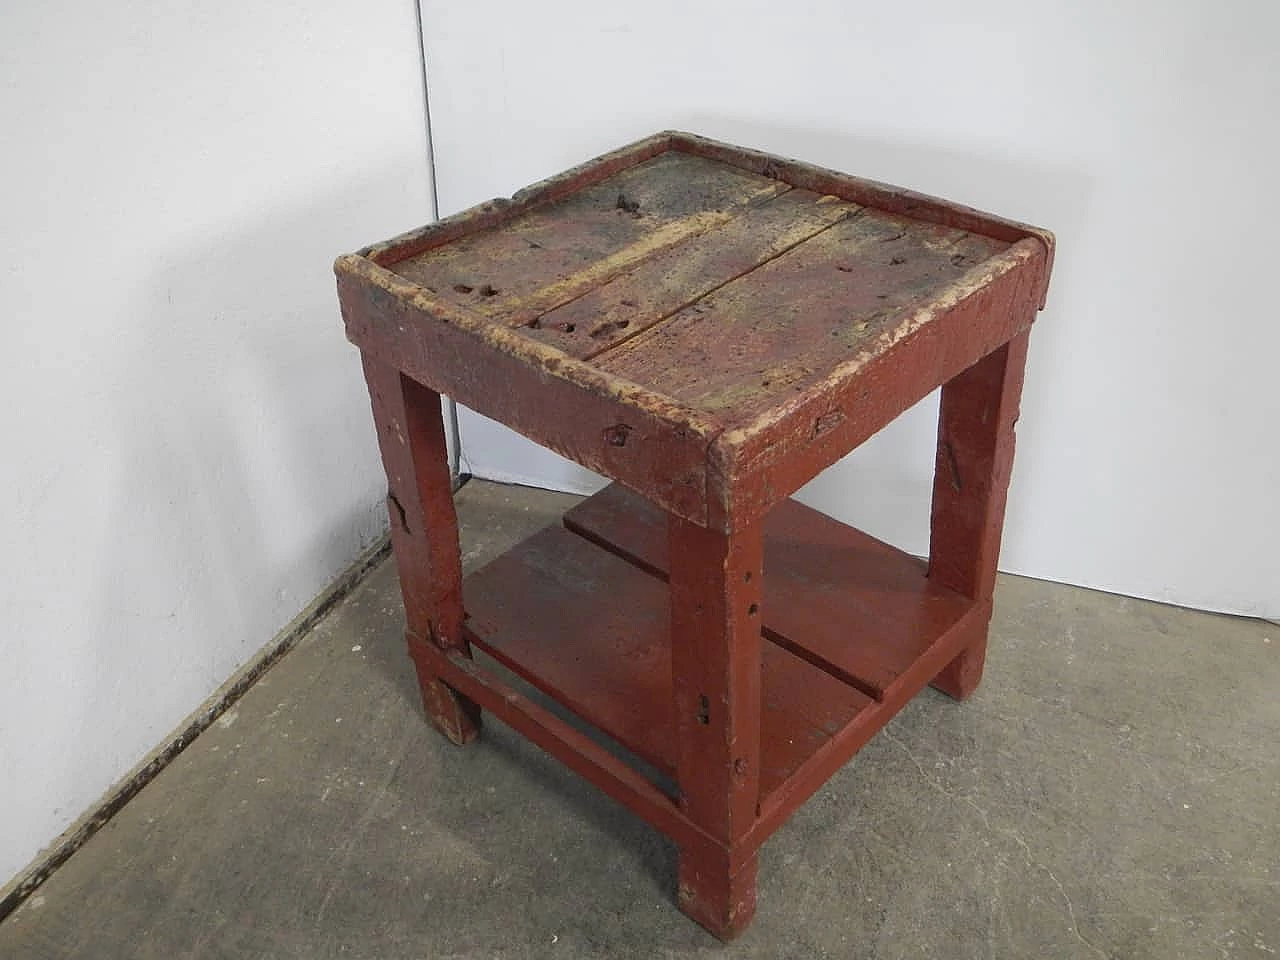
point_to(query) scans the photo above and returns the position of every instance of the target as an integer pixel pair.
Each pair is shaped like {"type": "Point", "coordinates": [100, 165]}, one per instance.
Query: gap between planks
{"type": "Point", "coordinates": [854, 214]}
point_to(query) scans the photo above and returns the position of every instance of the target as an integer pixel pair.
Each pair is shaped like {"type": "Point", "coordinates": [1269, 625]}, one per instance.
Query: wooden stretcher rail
{"type": "Point", "coordinates": [562, 741]}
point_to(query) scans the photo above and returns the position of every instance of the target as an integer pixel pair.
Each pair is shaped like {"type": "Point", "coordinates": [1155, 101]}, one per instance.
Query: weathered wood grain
{"type": "Point", "coordinates": [771, 333]}
{"type": "Point", "coordinates": [551, 253]}
{"type": "Point", "coordinates": [658, 287]}
{"type": "Point", "coordinates": [572, 747]}
{"type": "Point", "coordinates": [711, 327]}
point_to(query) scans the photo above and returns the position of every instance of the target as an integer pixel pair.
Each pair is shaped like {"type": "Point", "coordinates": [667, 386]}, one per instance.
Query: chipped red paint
{"type": "Point", "coordinates": [711, 327]}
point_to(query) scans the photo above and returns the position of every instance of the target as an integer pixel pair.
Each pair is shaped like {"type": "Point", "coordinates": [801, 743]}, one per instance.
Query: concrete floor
{"type": "Point", "coordinates": [1112, 790]}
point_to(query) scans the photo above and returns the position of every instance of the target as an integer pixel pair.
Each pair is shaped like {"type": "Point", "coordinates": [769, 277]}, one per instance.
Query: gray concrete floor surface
{"type": "Point", "coordinates": [1112, 790]}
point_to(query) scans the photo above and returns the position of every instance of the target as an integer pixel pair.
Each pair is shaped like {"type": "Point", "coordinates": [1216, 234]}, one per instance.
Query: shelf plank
{"type": "Point", "coordinates": [861, 609]}
{"type": "Point", "coordinates": [592, 631]}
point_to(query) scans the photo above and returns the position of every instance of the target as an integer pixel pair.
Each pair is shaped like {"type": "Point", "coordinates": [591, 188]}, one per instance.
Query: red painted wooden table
{"type": "Point", "coordinates": [710, 327]}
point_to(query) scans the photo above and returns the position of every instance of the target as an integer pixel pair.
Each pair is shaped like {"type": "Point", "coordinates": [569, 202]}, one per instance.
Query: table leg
{"type": "Point", "coordinates": [424, 533]}
{"type": "Point", "coordinates": [970, 482]}
{"type": "Point", "coordinates": [715, 659]}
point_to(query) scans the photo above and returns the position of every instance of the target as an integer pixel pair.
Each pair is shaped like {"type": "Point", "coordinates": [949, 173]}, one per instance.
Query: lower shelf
{"type": "Point", "coordinates": [859, 608]}
{"type": "Point", "coordinates": [581, 612]}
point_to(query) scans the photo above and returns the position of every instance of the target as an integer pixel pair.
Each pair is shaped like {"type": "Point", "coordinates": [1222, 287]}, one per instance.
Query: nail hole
{"type": "Point", "coordinates": [898, 261]}
{"type": "Point", "coordinates": [488, 290]}
{"type": "Point", "coordinates": [704, 710]}
{"type": "Point", "coordinates": [753, 609]}
{"type": "Point", "coordinates": [747, 576]}
{"type": "Point", "coordinates": [462, 288]}
{"type": "Point", "coordinates": [616, 435]}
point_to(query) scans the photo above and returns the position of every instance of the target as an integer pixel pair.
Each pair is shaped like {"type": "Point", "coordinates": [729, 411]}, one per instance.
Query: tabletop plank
{"type": "Point", "coordinates": [771, 332]}
{"type": "Point", "coordinates": [657, 287]}
{"type": "Point", "coordinates": [592, 631]}
{"type": "Point", "coordinates": [550, 254]}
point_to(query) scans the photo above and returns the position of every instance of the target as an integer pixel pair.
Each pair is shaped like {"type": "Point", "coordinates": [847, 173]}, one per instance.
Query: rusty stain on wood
{"type": "Point", "coordinates": [711, 327]}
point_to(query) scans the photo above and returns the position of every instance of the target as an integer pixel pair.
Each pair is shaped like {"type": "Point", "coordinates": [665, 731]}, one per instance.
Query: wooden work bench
{"type": "Point", "coordinates": [710, 327]}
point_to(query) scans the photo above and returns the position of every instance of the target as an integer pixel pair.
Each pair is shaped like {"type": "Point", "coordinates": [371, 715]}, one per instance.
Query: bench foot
{"type": "Point", "coordinates": [721, 902]}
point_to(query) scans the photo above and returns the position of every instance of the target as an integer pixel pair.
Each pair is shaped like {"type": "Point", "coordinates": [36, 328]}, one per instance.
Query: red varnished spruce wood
{"type": "Point", "coordinates": [716, 642]}
{"type": "Point", "coordinates": [758, 456]}
{"type": "Point", "coordinates": [424, 531]}
{"type": "Point", "coordinates": [588, 628]}
{"type": "Point", "coordinates": [843, 293]}
{"type": "Point", "coordinates": [931, 299]}
{"type": "Point", "coordinates": [859, 608]}
{"type": "Point", "coordinates": [971, 479]}
{"type": "Point", "coordinates": [593, 631]}
{"type": "Point", "coordinates": [572, 747]}
{"type": "Point", "coordinates": [834, 754]}
{"type": "Point", "coordinates": [758, 461]}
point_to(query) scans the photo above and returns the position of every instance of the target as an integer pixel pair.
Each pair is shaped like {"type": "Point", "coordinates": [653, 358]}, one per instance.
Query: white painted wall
{"type": "Point", "coordinates": [1144, 134]}
{"type": "Point", "coordinates": [188, 454]}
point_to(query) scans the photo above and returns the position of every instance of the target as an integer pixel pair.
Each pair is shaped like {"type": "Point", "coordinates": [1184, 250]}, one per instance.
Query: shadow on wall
{"type": "Point", "coordinates": [246, 474]}
{"type": "Point", "coordinates": [885, 485]}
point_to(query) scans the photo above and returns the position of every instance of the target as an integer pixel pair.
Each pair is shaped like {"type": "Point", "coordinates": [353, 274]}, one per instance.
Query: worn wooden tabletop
{"type": "Point", "coordinates": [725, 289]}
{"type": "Point", "coordinates": [749, 306]}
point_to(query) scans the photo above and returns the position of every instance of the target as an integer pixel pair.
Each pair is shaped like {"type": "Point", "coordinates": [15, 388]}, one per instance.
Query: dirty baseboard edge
{"type": "Point", "coordinates": [14, 893]}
